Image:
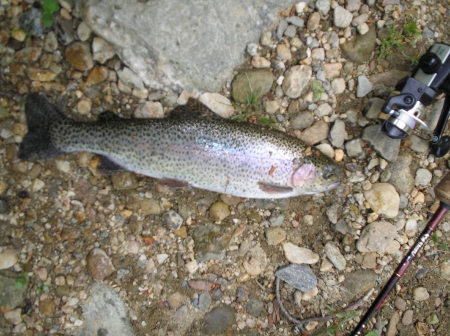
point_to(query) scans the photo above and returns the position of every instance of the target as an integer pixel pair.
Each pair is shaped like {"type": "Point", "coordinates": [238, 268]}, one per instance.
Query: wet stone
{"type": "Point", "coordinates": [124, 181]}
{"type": "Point", "coordinates": [172, 220]}
{"type": "Point", "coordinates": [258, 80]}
{"type": "Point", "coordinates": [219, 211]}
{"type": "Point", "coordinates": [255, 306]}
{"type": "Point", "coordinates": [298, 276]}
{"type": "Point", "coordinates": [204, 301]}
{"type": "Point", "coordinates": [218, 320]}
{"type": "Point", "coordinates": [358, 282]}
{"type": "Point", "coordinates": [79, 55]}
{"type": "Point", "coordinates": [11, 296]}
{"type": "Point", "coordinates": [211, 240]}
{"type": "Point", "coordinates": [99, 264]}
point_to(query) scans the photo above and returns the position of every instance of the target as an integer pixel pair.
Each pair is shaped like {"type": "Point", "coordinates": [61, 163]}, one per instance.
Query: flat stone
{"type": "Point", "coordinates": [421, 294]}
{"type": "Point", "coordinates": [387, 147]}
{"type": "Point", "coordinates": [275, 235]}
{"type": "Point", "coordinates": [149, 109]}
{"type": "Point", "coordinates": [316, 133]}
{"type": "Point", "coordinates": [204, 301]}
{"type": "Point", "coordinates": [8, 258]}
{"type": "Point", "coordinates": [105, 299]}
{"type": "Point", "coordinates": [401, 176]}
{"type": "Point", "coordinates": [299, 255]}
{"type": "Point", "coordinates": [257, 262]}
{"type": "Point", "coordinates": [97, 75]}
{"type": "Point", "coordinates": [389, 78]}
{"type": "Point", "coordinates": [218, 103]}
{"type": "Point", "coordinates": [41, 75]}
{"type": "Point", "coordinates": [338, 134]}
{"type": "Point", "coordinates": [400, 303]}
{"type": "Point", "coordinates": [383, 199]}
{"type": "Point", "coordinates": [172, 220]}
{"type": "Point", "coordinates": [373, 109]}
{"type": "Point", "coordinates": [257, 81]}
{"type": "Point", "coordinates": [295, 80]}
{"type": "Point", "coordinates": [423, 178]}
{"type": "Point", "coordinates": [11, 296]}
{"type": "Point", "coordinates": [364, 86]}
{"type": "Point", "coordinates": [302, 120]}
{"type": "Point", "coordinates": [130, 79]}
{"type": "Point", "coordinates": [124, 181]}
{"type": "Point", "coordinates": [332, 70]}
{"type": "Point", "coordinates": [354, 148]}
{"type": "Point", "coordinates": [255, 306]}
{"type": "Point", "coordinates": [47, 307]}
{"type": "Point", "coordinates": [298, 276]}
{"type": "Point", "coordinates": [211, 240]}
{"type": "Point", "coordinates": [392, 326]}
{"type": "Point", "coordinates": [376, 237]}
{"type": "Point", "coordinates": [218, 320]}
{"type": "Point", "coordinates": [407, 318]}
{"type": "Point", "coordinates": [360, 48]}
{"type": "Point", "coordinates": [335, 256]}
{"type": "Point", "coordinates": [358, 282]}
{"type": "Point", "coordinates": [219, 211]}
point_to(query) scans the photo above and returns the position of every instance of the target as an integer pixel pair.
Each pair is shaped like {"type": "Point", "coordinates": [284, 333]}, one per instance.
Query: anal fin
{"type": "Point", "coordinates": [274, 189]}
{"type": "Point", "coordinates": [104, 166]}
{"type": "Point", "coordinates": [172, 183]}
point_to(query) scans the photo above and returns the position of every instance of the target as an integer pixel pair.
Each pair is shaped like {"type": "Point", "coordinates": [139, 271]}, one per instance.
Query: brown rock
{"type": "Point", "coordinates": [47, 307]}
{"type": "Point", "coordinates": [219, 211]}
{"type": "Point", "coordinates": [99, 264]}
{"type": "Point", "coordinates": [97, 75]}
{"type": "Point", "coordinates": [41, 75]}
{"type": "Point", "coordinates": [181, 232]}
{"type": "Point", "coordinates": [230, 200]}
{"type": "Point", "coordinates": [389, 78]}
{"type": "Point", "coordinates": [79, 55]}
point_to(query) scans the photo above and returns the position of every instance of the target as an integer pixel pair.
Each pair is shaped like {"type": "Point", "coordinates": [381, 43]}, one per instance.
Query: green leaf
{"type": "Point", "coordinates": [240, 116]}
{"type": "Point", "coordinates": [47, 20]}
{"type": "Point", "coordinates": [50, 6]}
{"type": "Point", "coordinates": [372, 333]}
{"type": "Point", "coordinates": [265, 121]}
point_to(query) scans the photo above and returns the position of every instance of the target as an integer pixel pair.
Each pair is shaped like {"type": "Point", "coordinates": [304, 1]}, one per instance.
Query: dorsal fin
{"type": "Point", "coordinates": [107, 115]}
{"type": "Point", "coordinates": [193, 109]}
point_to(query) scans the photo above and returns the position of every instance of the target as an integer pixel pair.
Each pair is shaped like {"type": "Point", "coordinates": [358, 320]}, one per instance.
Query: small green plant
{"type": "Point", "coordinates": [265, 121]}
{"type": "Point", "coordinates": [344, 317]}
{"type": "Point", "coordinates": [50, 7]}
{"type": "Point", "coordinates": [41, 288]}
{"type": "Point", "coordinates": [372, 333]}
{"type": "Point", "coordinates": [435, 239]}
{"type": "Point", "coordinates": [444, 247]}
{"type": "Point", "coordinates": [317, 89]}
{"type": "Point", "coordinates": [22, 280]}
{"type": "Point", "coordinates": [392, 39]}
{"type": "Point", "coordinates": [411, 29]}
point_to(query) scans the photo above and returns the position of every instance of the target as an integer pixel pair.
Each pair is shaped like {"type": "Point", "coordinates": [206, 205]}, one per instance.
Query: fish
{"type": "Point", "coordinates": [192, 147]}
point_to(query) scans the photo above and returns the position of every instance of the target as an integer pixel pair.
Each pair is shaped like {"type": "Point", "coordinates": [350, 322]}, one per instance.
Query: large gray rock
{"type": "Point", "coordinates": [178, 45]}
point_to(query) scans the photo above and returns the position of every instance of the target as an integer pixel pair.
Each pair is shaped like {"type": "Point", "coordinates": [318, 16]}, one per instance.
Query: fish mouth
{"type": "Point", "coordinates": [333, 184]}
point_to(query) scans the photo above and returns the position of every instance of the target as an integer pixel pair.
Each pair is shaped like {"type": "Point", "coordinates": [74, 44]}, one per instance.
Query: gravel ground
{"type": "Point", "coordinates": [161, 261]}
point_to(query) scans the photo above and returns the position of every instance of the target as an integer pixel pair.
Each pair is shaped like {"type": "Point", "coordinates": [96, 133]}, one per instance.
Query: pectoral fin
{"type": "Point", "coordinates": [104, 166]}
{"type": "Point", "coordinates": [274, 189]}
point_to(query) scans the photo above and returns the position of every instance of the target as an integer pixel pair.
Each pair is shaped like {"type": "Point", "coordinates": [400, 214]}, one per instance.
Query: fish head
{"type": "Point", "coordinates": [316, 173]}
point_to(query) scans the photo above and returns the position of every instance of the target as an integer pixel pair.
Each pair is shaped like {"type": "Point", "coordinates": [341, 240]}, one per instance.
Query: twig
{"type": "Point", "coordinates": [358, 303]}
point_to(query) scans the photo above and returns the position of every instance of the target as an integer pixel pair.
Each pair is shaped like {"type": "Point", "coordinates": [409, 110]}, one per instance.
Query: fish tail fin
{"type": "Point", "coordinates": [37, 143]}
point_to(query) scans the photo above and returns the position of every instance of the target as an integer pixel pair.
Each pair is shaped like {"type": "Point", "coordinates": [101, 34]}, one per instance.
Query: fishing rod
{"type": "Point", "coordinates": [442, 191]}
{"type": "Point", "coordinates": [401, 112]}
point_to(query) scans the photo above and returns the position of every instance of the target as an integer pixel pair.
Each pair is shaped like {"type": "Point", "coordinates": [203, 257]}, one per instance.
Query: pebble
{"type": "Point", "coordinates": [84, 32]}
{"type": "Point", "coordinates": [102, 50]}
{"type": "Point", "coordinates": [354, 148]}
{"type": "Point", "coordinates": [309, 295]}
{"type": "Point", "coordinates": [298, 276]}
{"type": "Point", "coordinates": [423, 178]}
{"type": "Point", "coordinates": [358, 282]}
{"type": "Point", "coordinates": [323, 110]}
{"type": "Point", "coordinates": [411, 227]}
{"type": "Point", "coordinates": [338, 134]}
{"type": "Point", "coordinates": [392, 326]}
{"type": "Point", "coordinates": [335, 256]}
{"type": "Point", "coordinates": [79, 55]}
{"type": "Point", "coordinates": [14, 316]}
{"type": "Point", "coordinates": [445, 270]}
{"type": "Point", "coordinates": [275, 235]}
{"type": "Point", "coordinates": [323, 6]}
{"type": "Point", "coordinates": [192, 266]}
{"type": "Point", "coordinates": [41, 75]}
{"type": "Point", "coordinates": [175, 300]}
{"type": "Point", "coordinates": [204, 301]}
{"type": "Point", "coordinates": [251, 81]}
{"type": "Point", "coordinates": [295, 80]}
{"type": "Point", "coordinates": [421, 294]}
{"type": "Point", "coordinates": [283, 52]}
{"type": "Point", "coordinates": [400, 303]}
{"type": "Point", "coordinates": [8, 258]}
{"type": "Point", "coordinates": [172, 220]}
{"type": "Point", "coordinates": [124, 181]}
{"type": "Point", "coordinates": [364, 86]}
{"type": "Point", "coordinates": [383, 199]}
{"type": "Point", "coordinates": [47, 307]}
{"type": "Point", "coordinates": [130, 79]}
{"type": "Point", "coordinates": [255, 306]}
{"type": "Point", "coordinates": [258, 261]}
{"type": "Point", "coordinates": [296, 21]}
{"type": "Point", "coordinates": [407, 318]}
{"type": "Point", "coordinates": [99, 264]}
{"type": "Point", "coordinates": [218, 103]}
{"type": "Point", "coordinates": [376, 237]}
{"type": "Point", "coordinates": [149, 109]}
{"type": "Point", "coordinates": [219, 211]}
{"type": "Point", "coordinates": [299, 255]}
{"type": "Point", "coordinates": [342, 17]}
{"type": "Point", "coordinates": [313, 21]}
{"type": "Point", "coordinates": [97, 75]}
{"type": "Point", "coordinates": [218, 320]}
{"type": "Point", "coordinates": [316, 133]}
{"type": "Point", "coordinates": [260, 62]}
{"type": "Point", "coordinates": [332, 70]}
{"type": "Point", "coordinates": [338, 85]}
{"type": "Point", "coordinates": [302, 120]}
{"type": "Point", "coordinates": [50, 42]}
{"type": "Point", "coordinates": [84, 106]}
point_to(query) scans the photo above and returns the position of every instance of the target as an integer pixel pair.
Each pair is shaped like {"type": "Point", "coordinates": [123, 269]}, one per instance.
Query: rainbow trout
{"type": "Point", "coordinates": [191, 147]}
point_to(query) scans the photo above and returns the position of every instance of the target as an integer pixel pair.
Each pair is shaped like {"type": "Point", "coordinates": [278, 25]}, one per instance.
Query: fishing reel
{"type": "Point", "coordinates": [431, 78]}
